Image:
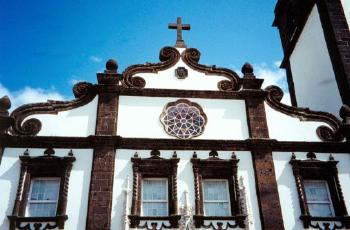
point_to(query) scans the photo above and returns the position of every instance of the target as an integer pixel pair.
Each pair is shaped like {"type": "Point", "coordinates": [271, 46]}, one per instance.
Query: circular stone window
{"type": "Point", "coordinates": [183, 119]}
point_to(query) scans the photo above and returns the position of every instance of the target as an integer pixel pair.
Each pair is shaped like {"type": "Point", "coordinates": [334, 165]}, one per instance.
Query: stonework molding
{"type": "Point", "coordinates": [158, 167]}
{"type": "Point", "coordinates": [216, 168]}
{"type": "Point", "coordinates": [181, 72]}
{"type": "Point", "coordinates": [168, 56]}
{"type": "Point", "coordinates": [84, 93]}
{"type": "Point", "coordinates": [191, 57]}
{"type": "Point", "coordinates": [314, 169]}
{"type": "Point", "coordinates": [47, 165]}
{"type": "Point", "coordinates": [325, 133]}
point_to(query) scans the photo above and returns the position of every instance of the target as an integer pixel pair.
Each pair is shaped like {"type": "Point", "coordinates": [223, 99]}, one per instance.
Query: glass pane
{"type": "Point", "coordinates": [215, 190]}
{"type": "Point", "coordinates": [42, 209]}
{"type": "Point", "coordinates": [154, 190]}
{"type": "Point", "coordinates": [216, 209]}
{"type": "Point", "coordinates": [322, 210]}
{"type": "Point", "coordinates": [154, 209]}
{"type": "Point", "coordinates": [316, 191]}
{"type": "Point", "coordinates": [45, 189]}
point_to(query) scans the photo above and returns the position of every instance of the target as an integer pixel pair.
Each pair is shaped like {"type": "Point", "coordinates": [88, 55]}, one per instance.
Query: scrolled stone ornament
{"type": "Point", "coordinates": [325, 133]}
{"type": "Point", "coordinates": [191, 57]}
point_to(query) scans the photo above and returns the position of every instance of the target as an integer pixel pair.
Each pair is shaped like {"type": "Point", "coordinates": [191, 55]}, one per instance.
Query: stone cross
{"type": "Point", "coordinates": [179, 27]}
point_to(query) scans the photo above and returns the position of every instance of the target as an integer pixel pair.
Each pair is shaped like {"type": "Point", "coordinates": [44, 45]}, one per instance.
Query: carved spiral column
{"type": "Point", "coordinates": [135, 185]}
{"type": "Point", "coordinates": [197, 191]}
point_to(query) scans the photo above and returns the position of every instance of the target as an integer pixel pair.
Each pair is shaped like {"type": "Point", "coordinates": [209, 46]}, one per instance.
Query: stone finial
{"type": "Point", "coordinates": [233, 156]}
{"type": "Point", "coordinates": [213, 153]}
{"type": "Point", "coordinates": [293, 156]}
{"type": "Point", "coordinates": [70, 153]}
{"type": "Point", "coordinates": [331, 158]}
{"type": "Point", "coordinates": [311, 155]}
{"type": "Point", "coordinates": [26, 152]}
{"type": "Point", "coordinates": [5, 105]}
{"type": "Point", "coordinates": [111, 66]}
{"type": "Point", "coordinates": [248, 70]}
{"type": "Point", "coordinates": [49, 152]}
{"type": "Point", "coordinates": [194, 154]}
{"type": "Point", "coordinates": [136, 155]}
{"type": "Point", "coordinates": [155, 153]}
{"type": "Point", "coordinates": [344, 113]}
{"type": "Point", "coordinates": [175, 154]}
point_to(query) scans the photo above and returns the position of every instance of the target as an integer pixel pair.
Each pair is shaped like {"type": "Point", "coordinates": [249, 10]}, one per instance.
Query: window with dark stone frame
{"type": "Point", "coordinates": [46, 166]}
{"type": "Point", "coordinates": [216, 168]}
{"type": "Point", "coordinates": [313, 169]}
{"type": "Point", "coordinates": [154, 167]}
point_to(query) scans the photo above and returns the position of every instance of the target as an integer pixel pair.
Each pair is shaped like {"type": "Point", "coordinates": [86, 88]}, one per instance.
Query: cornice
{"type": "Point", "coordinates": [325, 133]}
{"type": "Point", "coordinates": [84, 92]}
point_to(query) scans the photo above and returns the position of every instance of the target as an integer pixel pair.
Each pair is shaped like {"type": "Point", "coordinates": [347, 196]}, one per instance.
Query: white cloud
{"type": "Point", "coordinates": [74, 80]}
{"type": "Point", "coordinates": [95, 59]}
{"type": "Point", "coordinates": [273, 75]}
{"type": "Point", "coordinates": [30, 95]}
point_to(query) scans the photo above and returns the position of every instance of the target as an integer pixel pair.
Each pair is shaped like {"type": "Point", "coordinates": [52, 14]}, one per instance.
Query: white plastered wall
{"type": "Point", "coordinates": [313, 75]}
{"type": "Point", "coordinates": [346, 8]}
{"type": "Point", "coordinates": [78, 122]}
{"type": "Point", "coordinates": [287, 188]}
{"type": "Point", "coordinates": [195, 80]}
{"type": "Point", "coordinates": [123, 170]}
{"type": "Point", "coordinates": [79, 182]}
{"type": "Point", "coordinates": [139, 117]}
{"type": "Point", "coordinates": [286, 128]}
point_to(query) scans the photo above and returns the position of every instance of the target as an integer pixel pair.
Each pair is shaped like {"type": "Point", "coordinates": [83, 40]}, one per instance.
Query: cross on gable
{"type": "Point", "coordinates": [179, 27]}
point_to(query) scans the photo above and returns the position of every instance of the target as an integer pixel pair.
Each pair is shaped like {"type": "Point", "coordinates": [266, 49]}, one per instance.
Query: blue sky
{"type": "Point", "coordinates": [48, 45]}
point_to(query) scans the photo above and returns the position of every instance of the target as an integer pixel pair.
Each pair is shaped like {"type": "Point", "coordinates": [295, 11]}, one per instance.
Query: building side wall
{"type": "Point", "coordinates": [123, 170]}
{"type": "Point", "coordinates": [79, 182]}
{"type": "Point", "coordinates": [139, 117]}
{"type": "Point", "coordinates": [287, 187]}
{"type": "Point", "coordinates": [346, 7]}
{"type": "Point", "coordinates": [311, 67]}
{"type": "Point", "coordinates": [81, 120]}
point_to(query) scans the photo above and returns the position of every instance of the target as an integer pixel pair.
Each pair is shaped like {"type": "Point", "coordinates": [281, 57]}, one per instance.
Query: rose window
{"type": "Point", "coordinates": [183, 119]}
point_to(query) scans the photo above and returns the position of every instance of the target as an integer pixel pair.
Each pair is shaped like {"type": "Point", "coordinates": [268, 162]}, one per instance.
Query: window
{"type": "Point", "coordinates": [41, 197]}
{"type": "Point", "coordinates": [183, 119]}
{"type": "Point", "coordinates": [154, 193]}
{"type": "Point", "coordinates": [217, 196]}
{"type": "Point", "coordinates": [154, 197]}
{"type": "Point", "coordinates": [317, 198]}
{"type": "Point", "coordinates": [320, 194]}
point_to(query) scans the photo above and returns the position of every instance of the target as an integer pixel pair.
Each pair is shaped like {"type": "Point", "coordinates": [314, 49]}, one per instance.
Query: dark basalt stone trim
{"type": "Point", "coordinates": [325, 133]}
{"type": "Point", "coordinates": [336, 32]}
{"type": "Point", "coordinates": [47, 165]}
{"type": "Point", "coordinates": [158, 167]}
{"type": "Point", "coordinates": [84, 93]}
{"type": "Point", "coordinates": [191, 57]}
{"type": "Point", "coordinates": [102, 173]}
{"type": "Point", "coordinates": [291, 87]}
{"type": "Point", "coordinates": [168, 56]}
{"type": "Point", "coordinates": [314, 169]}
{"type": "Point", "coordinates": [208, 169]}
{"type": "Point", "coordinates": [171, 144]}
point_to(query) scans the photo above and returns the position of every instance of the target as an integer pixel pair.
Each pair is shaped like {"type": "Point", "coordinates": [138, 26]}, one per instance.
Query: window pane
{"type": "Point", "coordinates": [215, 190]}
{"type": "Point", "coordinates": [216, 209]}
{"type": "Point", "coordinates": [322, 210]}
{"type": "Point", "coordinates": [154, 190]}
{"type": "Point", "coordinates": [42, 209]}
{"type": "Point", "coordinates": [316, 191]}
{"type": "Point", "coordinates": [154, 209]}
{"type": "Point", "coordinates": [45, 189]}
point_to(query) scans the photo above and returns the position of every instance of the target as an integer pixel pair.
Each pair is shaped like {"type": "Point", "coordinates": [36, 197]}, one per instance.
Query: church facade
{"type": "Point", "coordinates": [174, 145]}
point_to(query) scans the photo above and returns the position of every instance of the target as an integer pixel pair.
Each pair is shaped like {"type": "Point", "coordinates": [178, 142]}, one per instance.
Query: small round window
{"type": "Point", "coordinates": [183, 119]}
